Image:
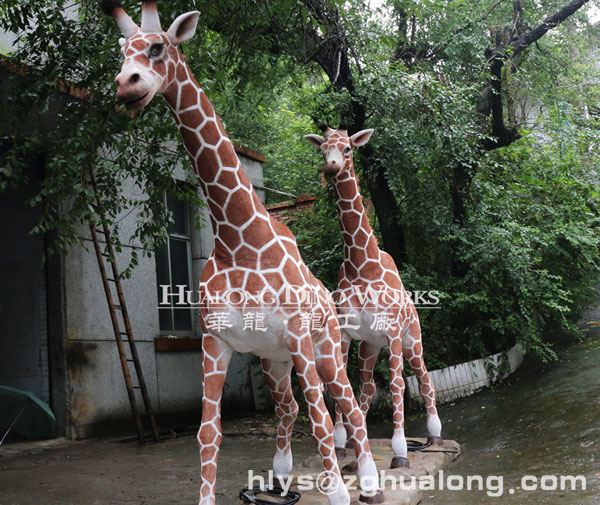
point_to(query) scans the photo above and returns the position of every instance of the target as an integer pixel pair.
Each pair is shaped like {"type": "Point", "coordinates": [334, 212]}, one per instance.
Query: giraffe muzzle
{"type": "Point", "coordinates": [328, 168]}
{"type": "Point", "coordinates": [134, 89]}
{"type": "Point", "coordinates": [133, 98]}
{"type": "Point", "coordinates": [136, 103]}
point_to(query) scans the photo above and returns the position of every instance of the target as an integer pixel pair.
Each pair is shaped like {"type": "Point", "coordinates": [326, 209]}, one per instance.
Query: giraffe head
{"type": "Point", "coordinates": [151, 55]}
{"type": "Point", "coordinates": [336, 147]}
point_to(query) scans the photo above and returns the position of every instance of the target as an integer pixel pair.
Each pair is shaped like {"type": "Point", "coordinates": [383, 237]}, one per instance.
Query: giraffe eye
{"type": "Point", "coordinates": [347, 150]}
{"type": "Point", "coordinates": [155, 50]}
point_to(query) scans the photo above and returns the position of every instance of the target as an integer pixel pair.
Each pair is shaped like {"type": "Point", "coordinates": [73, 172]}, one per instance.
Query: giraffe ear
{"type": "Point", "coordinates": [315, 140]}
{"type": "Point", "coordinates": [183, 28]}
{"type": "Point", "coordinates": [361, 138]}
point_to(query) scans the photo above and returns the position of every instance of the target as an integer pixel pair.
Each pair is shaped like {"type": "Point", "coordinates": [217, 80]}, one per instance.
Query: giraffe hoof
{"type": "Point", "coordinates": [435, 441]}
{"type": "Point", "coordinates": [340, 452]}
{"type": "Point", "coordinates": [376, 498]}
{"type": "Point", "coordinates": [399, 462]}
{"type": "Point", "coordinates": [350, 468]}
{"type": "Point", "coordinates": [350, 444]}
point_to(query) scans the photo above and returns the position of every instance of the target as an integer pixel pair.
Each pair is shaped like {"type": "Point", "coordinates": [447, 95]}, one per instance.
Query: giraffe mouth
{"type": "Point", "coordinates": [136, 103]}
{"type": "Point", "coordinates": [327, 170]}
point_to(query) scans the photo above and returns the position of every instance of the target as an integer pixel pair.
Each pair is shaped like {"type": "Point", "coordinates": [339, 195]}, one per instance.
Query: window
{"type": "Point", "coordinates": [173, 268]}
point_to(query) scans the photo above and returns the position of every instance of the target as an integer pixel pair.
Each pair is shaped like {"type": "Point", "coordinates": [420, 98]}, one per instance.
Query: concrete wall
{"type": "Point", "coordinates": [463, 380]}
{"type": "Point", "coordinates": [8, 41]}
{"type": "Point", "coordinates": [23, 295]}
{"type": "Point", "coordinates": [96, 393]}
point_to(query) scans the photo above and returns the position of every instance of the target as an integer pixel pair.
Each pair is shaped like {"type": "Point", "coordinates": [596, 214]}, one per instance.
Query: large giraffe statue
{"type": "Point", "coordinates": [254, 270]}
{"type": "Point", "coordinates": [376, 310]}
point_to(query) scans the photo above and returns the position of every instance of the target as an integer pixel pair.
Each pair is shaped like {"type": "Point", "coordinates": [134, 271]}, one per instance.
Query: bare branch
{"type": "Point", "coordinates": [518, 25]}
{"type": "Point", "coordinates": [553, 21]}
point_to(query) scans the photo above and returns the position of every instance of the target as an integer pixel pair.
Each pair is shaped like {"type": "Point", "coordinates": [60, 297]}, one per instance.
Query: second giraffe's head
{"type": "Point", "coordinates": [151, 55]}
{"type": "Point", "coordinates": [336, 147]}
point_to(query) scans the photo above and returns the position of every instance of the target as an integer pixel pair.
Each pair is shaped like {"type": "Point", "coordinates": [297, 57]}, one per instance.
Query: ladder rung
{"type": "Point", "coordinates": [130, 360]}
{"type": "Point", "coordinates": [117, 307]}
{"type": "Point", "coordinates": [111, 280]}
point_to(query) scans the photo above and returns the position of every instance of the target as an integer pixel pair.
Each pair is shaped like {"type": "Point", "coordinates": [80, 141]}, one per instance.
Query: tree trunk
{"type": "Point", "coordinates": [388, 213]}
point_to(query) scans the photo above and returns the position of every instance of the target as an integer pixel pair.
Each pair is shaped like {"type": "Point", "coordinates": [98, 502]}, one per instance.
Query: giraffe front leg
{"type": "Point", "coordinates": [215, 359]}
{"type": "Point", "coordinates": [413, 352]}
{"type": "Point", "coordinates": [339, 433]}
{"type": "Point", "coordinates": [277, 376]}
{"type": "Point", "coordinates": [341, 423]}
{"type": "Point", "coordinates": [367, 359]}
{"type": "Point", "coordinates": [397, 386]}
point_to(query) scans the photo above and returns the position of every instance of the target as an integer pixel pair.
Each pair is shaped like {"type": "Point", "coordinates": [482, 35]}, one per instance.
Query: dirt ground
{"type": "Point", "coordinates": [112, 472]}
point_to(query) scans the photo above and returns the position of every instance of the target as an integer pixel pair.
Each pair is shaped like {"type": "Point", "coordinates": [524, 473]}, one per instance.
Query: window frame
{"type": "Point", "coordinates": [187, 239]}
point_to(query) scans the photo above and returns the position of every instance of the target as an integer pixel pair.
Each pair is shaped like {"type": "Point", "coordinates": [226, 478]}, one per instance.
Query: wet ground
{"type": "Point", "coordinates": [545, 421]}
{"type": "Point", "coordinates": [122, 473]}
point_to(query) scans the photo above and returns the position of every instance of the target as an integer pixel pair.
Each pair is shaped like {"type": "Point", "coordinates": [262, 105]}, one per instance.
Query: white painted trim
{"type": "Point", "coordinates": [462, 380]}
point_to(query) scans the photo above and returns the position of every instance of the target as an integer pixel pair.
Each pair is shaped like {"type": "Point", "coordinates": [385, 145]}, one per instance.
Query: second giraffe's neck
{"type": "Point", "coordinates": [230, 197]}
{"type": "Point", "coordinates": [354, 217]}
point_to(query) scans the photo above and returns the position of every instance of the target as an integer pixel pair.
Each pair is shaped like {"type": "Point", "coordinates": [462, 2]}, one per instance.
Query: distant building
{"type": "Point", "coordinates": [281, 211]}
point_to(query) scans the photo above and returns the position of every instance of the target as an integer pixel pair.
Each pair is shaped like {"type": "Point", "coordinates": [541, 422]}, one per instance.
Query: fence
{"type": "Point", "coordinates": [463, 380]}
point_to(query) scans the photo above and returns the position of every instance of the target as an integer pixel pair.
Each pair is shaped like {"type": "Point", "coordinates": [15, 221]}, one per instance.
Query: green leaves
{"type": "Point", "coordinates": [75, 48]}
{"type": "Point", "coordinates": [519, 260]}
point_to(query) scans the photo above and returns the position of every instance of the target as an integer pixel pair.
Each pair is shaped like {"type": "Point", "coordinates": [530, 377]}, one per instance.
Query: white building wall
{"type": "Point", "coordinates": [97, 395]}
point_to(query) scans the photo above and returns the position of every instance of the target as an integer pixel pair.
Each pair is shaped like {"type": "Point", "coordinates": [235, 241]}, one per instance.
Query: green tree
{"type": "Point", "coordinates": [481, 170]}
{"type": "Point", "coordinates": [452, 88]}
{"type": "Point", "coordinates": [58, 102]}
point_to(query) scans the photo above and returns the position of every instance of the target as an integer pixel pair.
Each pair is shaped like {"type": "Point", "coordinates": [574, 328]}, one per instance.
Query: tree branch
{"type": "Point", "coordinates": [510, 42]}
{"type": "Point", "coordinates": [525, 40]}
{"type": "Point", "coordinates": [518, 23]}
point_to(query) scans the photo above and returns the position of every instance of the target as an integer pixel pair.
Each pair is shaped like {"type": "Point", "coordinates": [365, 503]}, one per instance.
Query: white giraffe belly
{"type": "Point", "coordinates": [369, 328]}
{"type": "Point", "coordinates": [264, 338]}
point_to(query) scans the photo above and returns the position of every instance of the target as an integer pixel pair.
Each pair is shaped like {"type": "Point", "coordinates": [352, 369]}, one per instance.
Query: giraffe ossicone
{"type": "Point", "coordinates": [371, 292]}
{"type": "Point", "coordinates": [252, 253]}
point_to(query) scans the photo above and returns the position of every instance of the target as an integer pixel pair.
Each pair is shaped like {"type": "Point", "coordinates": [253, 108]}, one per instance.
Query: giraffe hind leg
{"type": "Point", "coordinates": [341, 422]}
{"type": "Point", "coordinates": [331, 369]}
{"type": "Point", "coordinates": [303, 356]}
{"type": "Point", "coordinates": [413, 352]}
{"type": "Point", "coordinates": [277, 376]}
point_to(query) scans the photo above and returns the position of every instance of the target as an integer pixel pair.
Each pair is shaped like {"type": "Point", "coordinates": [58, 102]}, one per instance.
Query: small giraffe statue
{"type": "Point", "coordinates": [371, 299]}
{"type": "Point", "coordinates": [255, 268]}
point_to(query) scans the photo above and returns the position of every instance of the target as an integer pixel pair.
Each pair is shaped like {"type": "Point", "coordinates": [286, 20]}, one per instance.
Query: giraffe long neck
{"type": "Point", "coordinates": [359, 239]}
{"type": "Point", "coordinates": [231, 199]}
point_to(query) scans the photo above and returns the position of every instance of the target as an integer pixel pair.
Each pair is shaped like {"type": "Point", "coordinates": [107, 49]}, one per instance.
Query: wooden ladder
{"type": "Point", "coordinates": [125, 335]}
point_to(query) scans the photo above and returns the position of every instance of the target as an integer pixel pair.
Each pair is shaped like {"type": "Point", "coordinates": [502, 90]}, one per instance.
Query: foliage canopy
{"type": "Point", "coordinates": [482, 169]}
